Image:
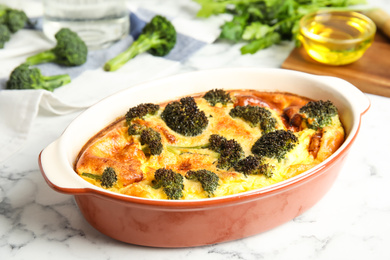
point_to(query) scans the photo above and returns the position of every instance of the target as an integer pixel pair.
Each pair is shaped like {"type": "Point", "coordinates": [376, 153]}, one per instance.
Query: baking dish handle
{"type": "Point", "coordinates": [355, 95]}
{"type": "Point", "coordinates": [57, 172]}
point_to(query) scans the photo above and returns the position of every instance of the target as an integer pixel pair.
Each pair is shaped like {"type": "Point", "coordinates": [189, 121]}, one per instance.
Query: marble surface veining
{"type": "Point", "coordinates": [350, 222]}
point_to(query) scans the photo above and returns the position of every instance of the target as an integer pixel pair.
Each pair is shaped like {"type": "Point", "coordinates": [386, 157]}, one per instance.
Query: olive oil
{"type": "Point", "coordinates": [337, 38]}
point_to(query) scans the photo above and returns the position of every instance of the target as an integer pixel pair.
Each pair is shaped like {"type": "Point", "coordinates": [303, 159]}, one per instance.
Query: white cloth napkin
{"type": "Point", "coordinates": [19, 108]}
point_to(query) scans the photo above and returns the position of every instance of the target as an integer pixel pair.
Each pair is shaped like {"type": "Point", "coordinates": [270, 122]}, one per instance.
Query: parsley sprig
{"type": "Point", "coordinates": [263, 23]}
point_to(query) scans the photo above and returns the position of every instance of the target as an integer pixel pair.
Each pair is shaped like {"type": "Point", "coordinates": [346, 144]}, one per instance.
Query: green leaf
{"type": "Point", "coordinates": [256, 30]}
{"type": "Point", "coordinates": [234, 29]}
{"type": "Point", "coordinates": [265, 42]}
{"type": "Point", "coordinates": [210, 7]}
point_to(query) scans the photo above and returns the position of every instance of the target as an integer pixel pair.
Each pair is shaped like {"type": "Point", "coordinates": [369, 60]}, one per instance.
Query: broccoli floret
{"type": "Point", "coordinates": [184, 117]}
{"type": "Point", "coordinates": [208, 179]}
{"type": "Point", "coordinates": [141, 111]}
{"type": "Point", "coordinates": [216, 96]}
{"type": "Point", "coordinates": [254, 116]}
{"type": "Point", "coordinates": [136, 129]}
{"type": "Point", "coordinates": [108, 178]}
{"type": "Point", "coordinates": [318, 114]}
{"type": "Point", "coordinates": [69, 51]}
{"type": "Point", "coordinates": [275, 144]}
{"type": "Point", "coordinates": [170, 181]}
{"type": "Point", "coordinates": [16, 20]}
{"type": "Point", "coordinates": [24, 77]}
{"type": "Point", "coordinates": [158, 37]}
{"type": "Point", "coordinates": [253, 165]}
{"type": "Point", "coordinates": [5, 35]}
{"type": "Point", "coordinates": [12, 18]}
{"type": "Point", "coordinates": [230, 151]}
{"type": "Point", "coordinates": [151, 140]}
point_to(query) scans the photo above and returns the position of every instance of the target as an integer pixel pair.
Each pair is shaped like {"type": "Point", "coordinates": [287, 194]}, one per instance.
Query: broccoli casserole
{"type": "Point", "coordinates": [211, 144]}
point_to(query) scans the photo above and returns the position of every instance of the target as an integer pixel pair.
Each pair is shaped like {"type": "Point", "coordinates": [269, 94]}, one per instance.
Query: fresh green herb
{"type": "Point", "coordinates": [263, 23]}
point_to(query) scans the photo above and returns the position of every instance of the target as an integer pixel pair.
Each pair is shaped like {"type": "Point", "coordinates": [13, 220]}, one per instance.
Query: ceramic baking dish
{"type": "Point", "coordinates": [167, 223]}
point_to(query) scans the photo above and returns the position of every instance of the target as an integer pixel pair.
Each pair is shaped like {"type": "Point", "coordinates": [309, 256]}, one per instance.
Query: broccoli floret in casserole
{"type": "Point", "coordinates": [141, 111]}
{"type": "Point", "coordinates": [158, 37]}
{"type": "Point", "coordinates": [228, 152]}
{"type": "Point", "coordinates": [275, 144]}
{"type": "Point", "coordinates": [254, 116]}
{"type": "Point", "coordinates": [24, 77]}
{"type": "Point", "coordinates": [253, 165]}
{"type": "Point", "coordinates": [208, 179]}
{"type": "Point", "coordinates": [108, 178]}
{"type": "Point", "coordinates": [216, 96]}
{"type": "Point", "coordinates": [170, 181]}
{"type": "Point", "coordinates": [69, 51]}
{"type": "Point", "coordinates": [318, 114]}
{"type": "Point", "coordinates": [184, 117]}
{"type": "Point", "coordinates": [150, 139]}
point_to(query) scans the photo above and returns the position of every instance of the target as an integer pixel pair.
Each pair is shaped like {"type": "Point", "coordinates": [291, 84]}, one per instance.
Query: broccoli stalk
{"type": "Point", "coordinates": [23, 77]}
{"type": "Point", "coordinates": [158, 37]}
{"type": "Point", "coordinates": [69, 51]}
{"type": "Point", "coordinates": [170, 181]}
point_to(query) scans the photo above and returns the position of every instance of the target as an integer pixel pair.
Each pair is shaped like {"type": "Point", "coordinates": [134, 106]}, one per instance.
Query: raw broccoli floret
{"type": "Point", "coordinates": [253, 165]}
{"type": "Point", "coordinates": [69, 51]}
{"type": "Point", "coordinates": [24, 77]}
{"type": "Point", "coordinates": [158, 37]}
{"type": "Point", "coordinates": [184, 117]}
{"type": "Point", "coordinates": [151, 141]}
{"type": "Point", "coordinates": [208, 179]}
{"type": "Point", "coordinates": [255, 116]}
{"type": "Point", "coordinates": [108, 178]}
{"type": "Point", "coordinates": [216, 96]}
{"type": "Point", "coordinates": [318, 114]}
{"type": "Point", "coordinates": [5, 35]}
{"type": "Point", "coordinates": [12, 18]}
{"type": "Point", "coordinates": [170, 181]}
{"type": "Point", "coordinates": [141, 111]}
{"type": "Point", "coordinates": [275, 144]}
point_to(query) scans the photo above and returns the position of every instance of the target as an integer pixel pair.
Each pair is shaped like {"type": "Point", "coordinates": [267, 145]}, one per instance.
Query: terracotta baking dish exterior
{"type": "Point", "coordinates": [161, 223]}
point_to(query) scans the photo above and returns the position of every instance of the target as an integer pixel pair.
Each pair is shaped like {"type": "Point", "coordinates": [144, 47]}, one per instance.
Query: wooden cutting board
{"type": "Point", "coordinates": [371, 73]}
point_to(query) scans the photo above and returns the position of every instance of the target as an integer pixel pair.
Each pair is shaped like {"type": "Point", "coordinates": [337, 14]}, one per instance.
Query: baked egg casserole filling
{"type": "Point", "coordinates": [211, 144]}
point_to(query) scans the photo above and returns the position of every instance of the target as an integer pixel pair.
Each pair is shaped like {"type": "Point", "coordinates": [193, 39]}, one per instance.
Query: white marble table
{"type": "Point", "coordinates": [351, 222]}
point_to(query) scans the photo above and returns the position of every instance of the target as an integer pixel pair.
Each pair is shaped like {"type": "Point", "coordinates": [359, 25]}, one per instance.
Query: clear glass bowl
{"type": "Point", "coordinates": [336, 37]}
